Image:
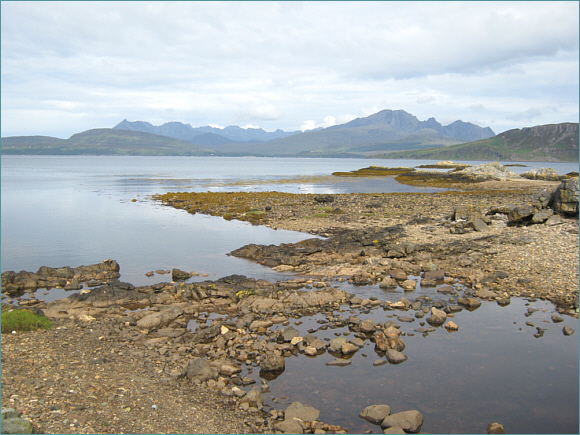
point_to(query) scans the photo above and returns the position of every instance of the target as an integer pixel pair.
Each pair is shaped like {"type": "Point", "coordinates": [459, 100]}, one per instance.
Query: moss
{"type": "Point", "coordinates": [321, 215]}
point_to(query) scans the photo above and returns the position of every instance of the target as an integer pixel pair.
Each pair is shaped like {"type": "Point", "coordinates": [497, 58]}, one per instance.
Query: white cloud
{"type": "Point", "coordinates": [278, 63]}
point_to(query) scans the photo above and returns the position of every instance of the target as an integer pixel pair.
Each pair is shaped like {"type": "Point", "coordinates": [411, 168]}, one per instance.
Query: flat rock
{"type": "Point", "coordinates": [304, 413]}
{"type": "Point", "coordinates": [339, 362]}
{"type": "Point", "coordinates": [409, 421]}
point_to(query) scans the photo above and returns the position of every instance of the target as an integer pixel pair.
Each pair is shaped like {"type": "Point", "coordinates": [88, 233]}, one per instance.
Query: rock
{"type": "Point", "coordinates": [518, 214]}
{"type": "Point", "coordinates": [180, 275]}
{"type": "Point", "coordinates": [409, 421]}
{"type": "Point", "coordinates": [395, 357]}
{"type": "Point", "coordinates": [288, 426]}
{"type": "Point", "coordinates": [272, 363]}
{"type": "Point", "coordinates": [253, 398]}
{"type": "Point", "coordinates": [339, 362]}
{"type": "Point", "coordinates": [446, 289]}
{"type": "Point", "coordinates": [469, 302]}
{"type": "Point", "coordinates": [554, 220]}
{"type": "Point", "coordinates": [388, 282]}
{"type": "Point", "coordinates": [434, 274]}
{"type": "Point", "coordinates": [437, 317]}
{"type": "Point", "coordinates": [335, 345]}
{"type": "Point", "coordinates": [160, 318]}
{"type": "Point", "coordinates": [556, 319]}
{"type": "Point", "coordinates": [17, 425]}
{"type": "Point", "coordinates": [394, 430]}
{"type": "Point", "coordinates": [398, 274]}
{"type": "Point", "coordinates": [542, 198]}
{"type": "Point", "coordinates": [409, 285]}
{"type": "Point", "coordinates": [542, 216]}
{"type": "Point", "coordinates": [348, 348]}
{"type": "Point", "coordinates": [375, 414]}
{"type": "Point", "coordinates": [466, 213]}
{"type": "Point", "coordinates": [257, 324]}
{"type": "Point", "coordinates": [495, 428]}
{"type": "Point", "coordinates": [451, 326]}
{"type": "Point", "coordinates": [289, 333]}
{"type": "Point", "coordinates": [567, 330]}
{"type": "Point", "coordinates": [324, 198]}
{"type": "Point", "coordinates": [310, 351]}
{"type": "Point", "coordinates": [229, 369]}
{"type": "Point", "coordinates": [199, 369]}
{"type": "Point", "coordinates": [302, 412]}
{"type": "Point", "coordinates": [565, 197]}
{"type": "Point", "coordinates": [379, 362]}
{"type": "Point", "coordinates": [479, 225]}
{"type": "Point", "coordinates": [368, 326]}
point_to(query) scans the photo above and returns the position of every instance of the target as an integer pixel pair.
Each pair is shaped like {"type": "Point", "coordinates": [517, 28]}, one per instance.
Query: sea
{"type": "Point", "coordinates": [79, 210]}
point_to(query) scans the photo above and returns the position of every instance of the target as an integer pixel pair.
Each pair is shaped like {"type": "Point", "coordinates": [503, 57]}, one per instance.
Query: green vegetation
{"type": "Point", "coordinates": [23, 320]}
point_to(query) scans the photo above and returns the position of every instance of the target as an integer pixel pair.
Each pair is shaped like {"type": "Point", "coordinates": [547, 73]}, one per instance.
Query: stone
{"type": "Point", "coordinates": [395, 357]}
{"type": "Point", "coordinates": [556, 319]}
{"type": "Point", "coordinates": [451, 326]}
{"type": "Point", "coordinates": [542, 198]}
{"type": "Point", "coordinates": [348, 348]}
{"type": "Point", "coordinates": [434, 274]}
{"type": "Point", "coordinates": [17, 425]}
{"type": "Point", "coordinates": [335, 345]}
{"type": "Point", "coordinates": [257, 324]}
{"type": "Point", "coordinates": [495, 428]}
{"type": "Point", "coordinates": [199, 369]}
{"type": "Point", "coordinates": [398, 274]}
{"type": "Point", "coordinates": [288, 426]}
{"type": "Point", "coordinates": [324, 198]}
{"type": "Point", "coordinates": [310, 351]}
{"type": "Point", "coordinates": [339, 362]}
{"type": "Point", "coordinates": [375, 414]}
{"type": "Point", "coordinates": [409, 421]}
{"type": "Point", "coordinates": [479, 225]}
{"type": "Point", "coordinates": [289, 333]}
{"type": "Point", "coordinates": [437, 317]}
{"type": "Point", "coordinates": [565, 197]}
{"type": "Point", "coordinates": [469, 302]}
{"type": "Point", "coordinates": [368, 326]}
{"type": "Point", "coordinates": [302, 412]}
{"type": "Point", "coordinates": [567, 330]}
{"type": "Point", "coordinates": [519, 213]}
{"type": "Point", "coordinates": [180, 275]}
{"type": "Point", "coordinates": [408, 285]}
{"type": "Point", "coordinates": [388, 282]}
{"type": "Point", "coordinates": [379, 362]}
{"type": "Point", "coordinates": [229, 369]}
{"type": "Point", "coordinates": [542, 216]}
{"type": "Point", "coordinates": [272, 363]}
{"type": "Point", "coordinates": [394, 430]}
{"type": "Point", "coordinates": [554, 220]}
{"type": "Point", "coordinates": [253, 398]}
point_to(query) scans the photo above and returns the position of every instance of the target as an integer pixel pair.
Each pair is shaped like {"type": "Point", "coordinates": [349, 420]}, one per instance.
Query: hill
{"type": "Point", "coordinates": [102, 141]}
{"type": "Point", "coordinates": [553, 142]}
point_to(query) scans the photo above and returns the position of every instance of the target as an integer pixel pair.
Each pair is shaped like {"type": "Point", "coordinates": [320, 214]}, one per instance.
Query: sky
{"type": "Point", "coordinates": [71, 66]}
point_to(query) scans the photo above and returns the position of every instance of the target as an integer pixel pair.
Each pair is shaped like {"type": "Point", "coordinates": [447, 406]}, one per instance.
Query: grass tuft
{"type": "Point", "coordinates": [23, 320]}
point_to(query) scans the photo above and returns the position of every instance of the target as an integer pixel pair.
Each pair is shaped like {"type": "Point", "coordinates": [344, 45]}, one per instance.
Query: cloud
{"type": "Point", "coordinates": [279, 63]}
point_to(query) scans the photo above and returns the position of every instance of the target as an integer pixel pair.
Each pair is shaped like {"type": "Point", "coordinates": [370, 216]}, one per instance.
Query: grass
{"type": "Point", "coordinates": [23, 320]}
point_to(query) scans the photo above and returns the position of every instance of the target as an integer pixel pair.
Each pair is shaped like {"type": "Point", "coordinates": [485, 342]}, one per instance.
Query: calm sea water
{"type": "Point", "coordinates": [70, 211]}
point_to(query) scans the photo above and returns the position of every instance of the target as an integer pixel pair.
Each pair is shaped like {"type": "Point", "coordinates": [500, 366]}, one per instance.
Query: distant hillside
{"type": "Point", "coordinates": [102, 141]}
{"type": "Point", "coordinates": [186, 132]}
{"type": "Point", "coordinates": [553, 142]}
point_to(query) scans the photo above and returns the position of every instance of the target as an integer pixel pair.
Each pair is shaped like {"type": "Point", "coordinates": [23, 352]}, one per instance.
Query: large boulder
{"type": "Point", "coordinates": [565, 198]}
{"type": "Point", "coordinates": [409, 421]}
{"type": "Point", "coordinates": [271, 362]}
{"type": "Point", "coordinates": [304, 413]}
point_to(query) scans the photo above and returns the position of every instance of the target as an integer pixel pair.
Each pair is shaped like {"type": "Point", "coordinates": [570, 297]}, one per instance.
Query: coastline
{"type": "Point", "coordinates": [103, 350]}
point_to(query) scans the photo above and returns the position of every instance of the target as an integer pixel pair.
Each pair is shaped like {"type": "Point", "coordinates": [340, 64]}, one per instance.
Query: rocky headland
{"type": "Point", "coordinates": [138, 359]}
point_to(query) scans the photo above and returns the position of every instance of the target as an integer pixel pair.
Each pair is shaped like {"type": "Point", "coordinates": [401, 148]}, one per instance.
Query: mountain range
{"type": "Point", "coordinates": [388, 133]}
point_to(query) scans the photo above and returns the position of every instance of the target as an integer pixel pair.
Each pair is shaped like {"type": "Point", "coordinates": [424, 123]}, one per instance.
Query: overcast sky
{"type": "Point", "coordinates": [72, 66]}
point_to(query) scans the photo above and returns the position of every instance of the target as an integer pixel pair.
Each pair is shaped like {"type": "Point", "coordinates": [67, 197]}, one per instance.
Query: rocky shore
{"type": "Point", "coordinates": [139, 359]}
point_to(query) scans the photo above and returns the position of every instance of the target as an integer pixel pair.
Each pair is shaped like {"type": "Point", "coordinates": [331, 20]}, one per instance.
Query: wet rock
{"type": "Point", "coordinates": [180, 275]}
{"type": "Point", "coordinates": [348, 348]}
{"type": "Point", "coordinates": [495, 428]}
{"type": "Point", "coordinates": [272, 363]}
{"type": "Point", "coordinates": [395, 357]}
{"type": "Point", "coordinates": [469, 302]}
{"type": "Point", "coordinates": [437, 317]}
{"type": "Point", "coordinates": [335, 345]}
{"type": "Point", "coordinates": [339, 362]}
{"type": "Point", "coordinates": [567, 330]}
{"type": "Point", "coordinates": [409, 421]}
{"type": "Point", "coordinates": [257, 324]}
{"type": "Point", "coordinates": [394, 430]}
{"type": "Point", "coordinates": [434, 274]}
{"type": "Point", "coordinates": [451, 326]}
{"type": "Point", "coordinates": [375, 414]}
{"type": "Point", "coordinates": [368, 326]}
{"type": "Point", "coordinates": [408, 285]}
{"type": "Point", "coordinates": [388, 282]}
{"type": "Point", "coordinates": [398, 274]}
{"type": "Point", "coordinates": [556, 319]}
{"type": "Point", "coordinates": [289, 333]}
